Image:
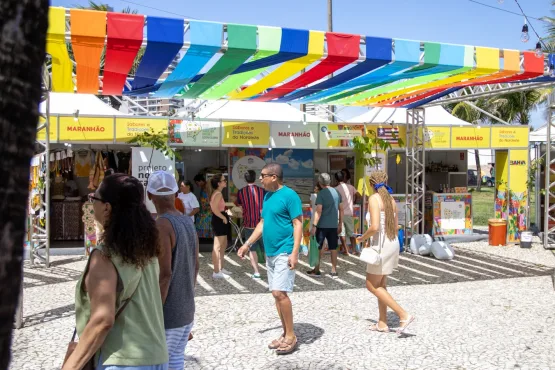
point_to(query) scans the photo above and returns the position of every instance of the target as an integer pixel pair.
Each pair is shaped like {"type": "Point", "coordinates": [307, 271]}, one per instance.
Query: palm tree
{"type": "Point", "coordinates": [22, 53]}
{"type": "Point", "coordinates": [517, 107]}
{"type": "Point", "coordinates": [104, 8]}
{"type": "Point", "coordinates": [107, 8]}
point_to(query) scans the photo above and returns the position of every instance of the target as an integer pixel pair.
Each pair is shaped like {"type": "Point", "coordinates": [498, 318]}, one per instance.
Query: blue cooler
{"type": "Point", "coordinates": [401, 238]}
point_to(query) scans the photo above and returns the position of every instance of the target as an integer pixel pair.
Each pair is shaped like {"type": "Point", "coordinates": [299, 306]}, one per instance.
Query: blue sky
{"type": "Point", "coordinates": [448, 21]}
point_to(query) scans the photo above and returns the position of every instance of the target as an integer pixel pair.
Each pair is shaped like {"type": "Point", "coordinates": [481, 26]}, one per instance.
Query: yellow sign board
{"type": "Point", "coordinates": [470, 137]}
{"type": "Point", "coordinates": [509, 137]}
{"type": "Point", "coordinates": [129, 127]}
{"type": "Point", "coordinates": [41, 134]}
{"type": "Point", "coordinates": [246, 134]}
{"type": "Point", "coordinates": [437, 137]}
{"type": "Point", "coordinates": [86, 129]}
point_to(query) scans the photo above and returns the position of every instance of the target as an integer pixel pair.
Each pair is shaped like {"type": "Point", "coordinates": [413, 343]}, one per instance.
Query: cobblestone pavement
{"type": "Point", "coordinates": [479, 311]}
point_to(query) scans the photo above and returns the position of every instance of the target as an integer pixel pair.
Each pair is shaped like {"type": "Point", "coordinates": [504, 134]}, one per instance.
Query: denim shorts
{"type": "Point", "coordinates": [280, 277]}
{"type": "Point", "coordinates": [122, 367]}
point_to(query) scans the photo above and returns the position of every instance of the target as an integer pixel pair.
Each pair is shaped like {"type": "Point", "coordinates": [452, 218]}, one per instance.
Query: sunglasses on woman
{"type": "Point", "coordinates": [93, 197]}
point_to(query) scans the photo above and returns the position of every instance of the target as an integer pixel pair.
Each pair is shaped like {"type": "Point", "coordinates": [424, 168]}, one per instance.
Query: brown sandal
{"type": "Point", "coordinates": [276, 343]}
{"type": "Point", "coordinates": [287, 347]}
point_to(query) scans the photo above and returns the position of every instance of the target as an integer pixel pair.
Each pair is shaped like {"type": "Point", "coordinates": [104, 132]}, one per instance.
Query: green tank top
{"type": "Point", "coordinates": [137, 337]}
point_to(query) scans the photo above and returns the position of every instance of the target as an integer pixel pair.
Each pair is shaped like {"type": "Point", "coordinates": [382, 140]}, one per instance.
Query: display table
{"type": "Point", "coordinates": [448, 213]}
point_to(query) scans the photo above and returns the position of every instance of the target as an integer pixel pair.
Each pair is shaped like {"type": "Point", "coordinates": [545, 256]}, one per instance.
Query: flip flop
{"type": "Point", "coordinates": [276, 343]}
{"type": "Point", "coordinates": [287, 347]}
{"type": "Point", "coordinates": [401, 329]}
{"type": "Point", "coordinates": [375, 327]}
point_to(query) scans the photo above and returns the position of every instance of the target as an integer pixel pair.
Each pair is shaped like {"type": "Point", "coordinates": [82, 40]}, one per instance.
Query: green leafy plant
{"type": "Point", "coordinates": [155, 140]}
{"type": "Point", "coordinates": [535, 164]}
{"type": "Point", "coordinates": [367, 147]}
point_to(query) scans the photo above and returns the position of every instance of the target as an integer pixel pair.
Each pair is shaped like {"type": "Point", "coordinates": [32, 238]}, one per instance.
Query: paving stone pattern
{"type": "Point", "coordinates": [479, 311]}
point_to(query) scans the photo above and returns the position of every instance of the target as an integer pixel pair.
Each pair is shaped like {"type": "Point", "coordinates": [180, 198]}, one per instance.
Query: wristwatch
{"type": "Point", "coordinates": [248, 243]}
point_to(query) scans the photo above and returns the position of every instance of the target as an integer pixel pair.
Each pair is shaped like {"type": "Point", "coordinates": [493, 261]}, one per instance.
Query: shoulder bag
{"type": "Point", "coordinates": [90, 365]}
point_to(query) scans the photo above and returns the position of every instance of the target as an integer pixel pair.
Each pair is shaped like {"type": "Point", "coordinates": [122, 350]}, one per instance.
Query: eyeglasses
{"type": "Point", "coordinates": [264, 175]}
{"type": "Point", "coordinates": [223, 180]}
{"type": "Point", "coordinates": [92, 198]}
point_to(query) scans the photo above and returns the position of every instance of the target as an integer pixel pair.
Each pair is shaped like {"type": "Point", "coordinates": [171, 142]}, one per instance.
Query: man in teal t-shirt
{"type": "Point", "coordinates": [281, 229]}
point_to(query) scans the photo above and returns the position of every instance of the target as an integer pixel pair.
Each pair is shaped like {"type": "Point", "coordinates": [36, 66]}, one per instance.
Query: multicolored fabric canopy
{"type": "Point", "coordinates": [297, 66]}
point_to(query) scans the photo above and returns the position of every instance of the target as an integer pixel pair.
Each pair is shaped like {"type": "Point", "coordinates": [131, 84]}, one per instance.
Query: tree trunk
{"type": "Point", "coordinates": [478, 170]}
{"type": "Point", "coordinates": [23, 25]}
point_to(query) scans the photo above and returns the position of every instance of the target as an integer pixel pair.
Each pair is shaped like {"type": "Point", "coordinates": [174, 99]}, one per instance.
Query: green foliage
{"type": "Point", "coordinates": [535, 164]}
{"type": "Point", "coordinates": [366, 147]}
{"type": "Point", "coordinates": [158, 141]}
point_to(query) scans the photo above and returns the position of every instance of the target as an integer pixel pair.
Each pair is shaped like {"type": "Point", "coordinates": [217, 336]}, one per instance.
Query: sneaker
{"type": "Point", "coordinates": [333, 275]}
{"type": "Point", "coordinates": [314, 273]}
{"type": "Point", "coordinates": [219, 275]}
{"type": "Point", "coordinates": [225, 272]}
{"type": "Point", "coordinates": [255, 276]}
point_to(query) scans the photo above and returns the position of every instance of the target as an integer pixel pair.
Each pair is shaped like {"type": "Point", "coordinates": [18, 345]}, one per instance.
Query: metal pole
{"type": "Point", "coordinates": [547, 174]}
{"type": "Point", "coordinates": [47, 181]}
{"type": "Point", "coordinates": [330, 29]}
{"type": "Point", "coordinates": [537, 188]}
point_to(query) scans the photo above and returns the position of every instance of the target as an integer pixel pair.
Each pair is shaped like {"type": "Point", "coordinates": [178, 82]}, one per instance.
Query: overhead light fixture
{"type": "Point", "coordinates": [539, 52]}
{"type": "Point", "coordinates": [525, 36]}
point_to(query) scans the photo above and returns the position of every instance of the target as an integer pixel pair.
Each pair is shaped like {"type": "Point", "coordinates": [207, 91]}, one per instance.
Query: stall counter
{"type": "Point", "coordinates": [448, 213]}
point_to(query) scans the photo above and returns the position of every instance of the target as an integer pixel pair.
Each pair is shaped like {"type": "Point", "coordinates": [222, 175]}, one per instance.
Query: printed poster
{"type": "Point", "coordinates": [194, 133]}
{"type": "Point", "coordinates": [453, 215]}
{"type": "Point", "coordinates": [146, 161]}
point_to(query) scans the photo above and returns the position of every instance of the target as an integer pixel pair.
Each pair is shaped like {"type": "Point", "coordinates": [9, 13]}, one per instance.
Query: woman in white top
{"type": "Point", "coordinates": [383, 230]}
{"type": "Point", "coordinates": [189, 200]}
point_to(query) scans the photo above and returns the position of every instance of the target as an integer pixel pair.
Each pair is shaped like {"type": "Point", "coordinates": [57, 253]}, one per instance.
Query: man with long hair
{"type": "Point", "coordinates": [281, 229]}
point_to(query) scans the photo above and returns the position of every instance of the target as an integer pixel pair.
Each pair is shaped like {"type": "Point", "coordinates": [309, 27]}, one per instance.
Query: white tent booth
{"type": "Point", "coordinates": [198, 159]}
{"type": "Point", "coordinates": [76, 104]}
{"type": "Point", "coordinates": [445, 168]}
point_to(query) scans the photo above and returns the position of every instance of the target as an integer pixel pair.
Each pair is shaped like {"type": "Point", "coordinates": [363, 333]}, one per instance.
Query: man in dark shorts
{"type": "Point", "coordinates": [250, 198]}
{"type": "Point", "coordinates": [282, 229]}
{"type": "Point", "coordinates": [328, 222]}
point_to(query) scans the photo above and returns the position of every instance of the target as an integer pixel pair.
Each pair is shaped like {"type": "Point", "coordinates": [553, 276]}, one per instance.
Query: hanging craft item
{"type": "Point", "coordinates": [90, 228]}
{"type": "Point", "coordinates": [398, 159]}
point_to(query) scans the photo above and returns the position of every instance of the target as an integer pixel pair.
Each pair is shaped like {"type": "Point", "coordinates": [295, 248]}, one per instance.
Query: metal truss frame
{"type": "Point", "coordinates": [549, 196]}
{"type": "Point", "coordinates": [415, 170]}
{"type": "Point", "coordinates": [40, 235]}
{"type": "Point", "coordinates": [486, 91]}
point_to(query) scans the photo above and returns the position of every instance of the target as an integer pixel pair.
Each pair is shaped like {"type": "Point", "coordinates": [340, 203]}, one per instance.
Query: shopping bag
{"type": "Point", "coordinates": [313, 252]}
{"type": "Point", "coordinates": [260, 254]}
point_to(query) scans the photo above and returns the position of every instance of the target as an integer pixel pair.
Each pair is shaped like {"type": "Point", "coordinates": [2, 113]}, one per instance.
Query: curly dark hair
{"type": "Point", "coordinates": [130, 232]}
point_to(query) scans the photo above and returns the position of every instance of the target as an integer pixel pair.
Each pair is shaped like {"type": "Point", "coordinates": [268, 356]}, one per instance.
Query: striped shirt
{"type": "Point", "coordinates": [251, 198]}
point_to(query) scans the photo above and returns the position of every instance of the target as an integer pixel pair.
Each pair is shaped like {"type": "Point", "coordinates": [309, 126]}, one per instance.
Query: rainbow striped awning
{"type": "Point", "coordinates": [288, 65]}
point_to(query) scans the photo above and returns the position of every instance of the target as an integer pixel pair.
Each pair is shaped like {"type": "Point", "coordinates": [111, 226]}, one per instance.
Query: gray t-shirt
{"type": "Point", "coordinates": [330, 199]}
{"type": "Point", "coordinates": [179, 309]}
